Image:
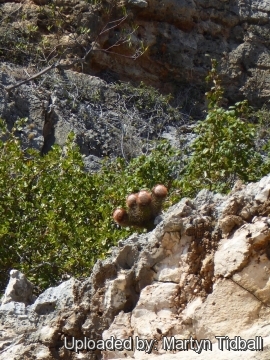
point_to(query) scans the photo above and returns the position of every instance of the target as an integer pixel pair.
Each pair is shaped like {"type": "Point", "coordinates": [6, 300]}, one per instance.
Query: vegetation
{"type": "Point", "coordinates": [225, 148]}
{"type": "Point", "coordinates": [56, 218]}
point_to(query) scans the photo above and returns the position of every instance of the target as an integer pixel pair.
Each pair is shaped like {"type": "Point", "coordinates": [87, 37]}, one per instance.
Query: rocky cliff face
{"type": "Point", "coordinates": [202, 273]}
{"type": "Point", "coordinates": [178, 33]}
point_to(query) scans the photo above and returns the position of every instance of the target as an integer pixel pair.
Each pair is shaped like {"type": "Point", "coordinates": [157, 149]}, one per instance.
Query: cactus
{"type": "Point", "coordinates": [143, 207]}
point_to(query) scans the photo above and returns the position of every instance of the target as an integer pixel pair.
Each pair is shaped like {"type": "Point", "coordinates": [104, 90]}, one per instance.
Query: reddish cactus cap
{"type": "Point", "coordinates": [144, 197]}
{"type": "Point", "coordinates": [160, 191]}
{"type": "Point", "coordinates": [131, 200]}
{"type": "Point", "coordinates": [119, 215]}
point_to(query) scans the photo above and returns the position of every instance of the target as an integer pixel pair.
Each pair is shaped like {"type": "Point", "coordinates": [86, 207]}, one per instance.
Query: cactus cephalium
{"type": "Point", "coordinates": [143, 207]}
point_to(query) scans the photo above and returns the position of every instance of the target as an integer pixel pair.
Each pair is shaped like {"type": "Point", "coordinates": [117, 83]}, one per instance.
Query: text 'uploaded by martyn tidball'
{"type": "Point", "coordinates": [166, 343]}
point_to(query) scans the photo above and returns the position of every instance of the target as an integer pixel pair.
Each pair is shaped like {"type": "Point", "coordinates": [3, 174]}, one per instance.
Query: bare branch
{"type": "Point", "coordinates": [119, 21]}
{"type": "Point", "coordinates": [11, 87]}
{"type": "Point", "coordinates": [133, 57]}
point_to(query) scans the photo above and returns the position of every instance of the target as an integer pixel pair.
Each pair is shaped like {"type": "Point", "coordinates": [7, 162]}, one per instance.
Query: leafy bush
{"type": "Point", "coordinates": [261, 118]}
{"type": "Point", "coordinates": [225, 148]}
{"type": "Point", "coordinates": [56, 218]}
{"type": "Point", "coordinates": [262, 139]}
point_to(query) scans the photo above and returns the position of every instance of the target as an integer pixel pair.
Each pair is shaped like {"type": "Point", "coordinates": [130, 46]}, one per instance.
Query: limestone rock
{"type": "Point", "coordinates": [178, 35]}
{"type": "Point", "coordinates": [19, 289]}
{"type": "Point", "coordinates": [186, 280]}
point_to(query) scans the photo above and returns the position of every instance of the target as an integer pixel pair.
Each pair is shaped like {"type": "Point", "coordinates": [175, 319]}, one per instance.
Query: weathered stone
{"type": "Point", "coordinates": [19, 289]}
{"type": "Point", "coordinates": [179, 35]}
{"type": "Point", "coordinates": [181, 280]}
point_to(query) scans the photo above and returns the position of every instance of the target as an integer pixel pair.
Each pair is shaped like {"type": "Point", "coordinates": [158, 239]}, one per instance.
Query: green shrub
{"type": "Point", "coordinates": [56, 218]}
{"type": "Point", "coordinates": [224, 149]}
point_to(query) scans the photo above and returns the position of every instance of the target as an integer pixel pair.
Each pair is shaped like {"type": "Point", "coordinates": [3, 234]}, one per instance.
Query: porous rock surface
{"type": "Point", "coordinates": [178, 34]}
{"type": "Point", "coordinates": [202, 272]}
{"type": "Point", "coordinates": [18, 289]}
